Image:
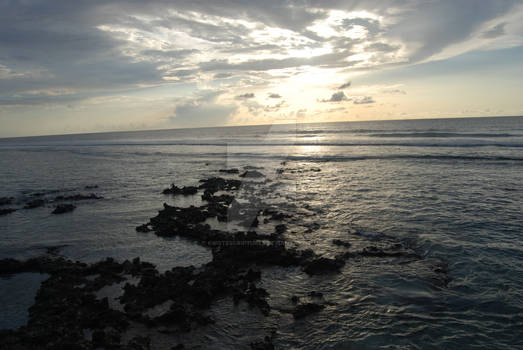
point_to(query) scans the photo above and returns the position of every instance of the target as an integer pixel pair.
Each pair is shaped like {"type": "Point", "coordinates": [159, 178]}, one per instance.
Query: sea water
{"type": "Point", "coordinates": [453, 188]}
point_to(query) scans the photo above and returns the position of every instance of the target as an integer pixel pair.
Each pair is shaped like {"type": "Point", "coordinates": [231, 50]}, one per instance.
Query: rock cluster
{"type": "Point", "coordinates": [67, 305]}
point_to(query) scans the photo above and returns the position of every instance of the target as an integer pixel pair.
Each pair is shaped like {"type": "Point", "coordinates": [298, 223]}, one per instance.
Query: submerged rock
{"type": "Point", "coordinates": [230, 171]}
{"type": "Point", "coordinates": [6, 200]}
{"type": "Point", "coordinates": [215, 184]}
{"type": "Point", "coordinates": [265, 344]}
{"type": "Point", "coordinates": [144, 228]}
{"type": "Point", "coordinates": [36, 203]}
{"type": "Point", "coordinates": [251, 174]}
{"type": "Point", "coordinates": [186, 190]}
{"type": "Point", "coordinates": [7, 211]}
{"type": "Point", "coordinates": [281, 228]}
{"type": "Point", "coordinates": [341, 243]}
{"type": "Point", "coordinates": [314, 294]}
{"type": "Point", "coordinates": [304, 310]}
{"type": "Point", "coordinates": [395, 251]}
{"type": "Point", "coordinates": [323, 265]}
{"type": "Point", "coordinates": [63, 208]}
{"type": "Point", "coordinates": [77, 197]}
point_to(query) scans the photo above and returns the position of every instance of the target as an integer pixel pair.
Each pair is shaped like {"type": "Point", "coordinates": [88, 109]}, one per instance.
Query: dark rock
{"type": "Point", "coordinates": [346, 255]}
{"type": "Point", "coordinates": [77, 197]}
{"type": "Point", "coordinates": [178, 347]}
{"type": "Point", "coordinates": [139, 343]}
{"type": "Point", "coordinates": [341, 243]}
{"type": "Point", "coordinates": [6, 200]}
{"type": "Point", "coordinates": [229, 171]}
{"type": "Point", "coordinates": [266, 344]}
{"type": "Point", "coordinates": [303, 310]}
{"type": "Point", "coordinates": [36, 203]}
{"type": "Point", "coordinates": [323, 265]}
{"type": "Point", "coordinates": [254, 296]}
{"type": "Point", "coordinates": [251, 174]}
{"type": "Point", "coordinates": [223, 198]}
{"type": "Point", "coordinates": [281, 228]}
{"type": "Point", "coordinates": [7, 211]}
{"type": "Point", "coordinates": [90, 187]}
{"type": "Point", "coordinates": [40, 194]}
{"type": "Point", "coordinates": [215, 184]}
{"type": "Point", "coordinates": [251, 167]}
{"type": "Point", "coordinates": [144, 228]}
{"type": "Point", "coordinates": [315, 294]}
{"type": "Point", "coordinates": [311, 227]}
{"type": "Point", "coordinates": [63, 208]}
{"type": "Point", "coordinates": [186, 190]}
{"type": "Point", "coordinates": [54, 249]}
{"type": "Point", "coordinates": [274, 214]}
{"type": "Point", "coordinates": [395, 251]}
{"type": "Point", "coordinates": [295, 299]}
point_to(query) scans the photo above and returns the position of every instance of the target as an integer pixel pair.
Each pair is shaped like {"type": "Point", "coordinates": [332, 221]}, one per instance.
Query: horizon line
{"type": "Point", "coordinates": [252, 125]}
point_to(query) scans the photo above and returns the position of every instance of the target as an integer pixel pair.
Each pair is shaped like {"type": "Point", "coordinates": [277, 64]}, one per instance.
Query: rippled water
{"type": "Point", "coordinates": [451, 188]}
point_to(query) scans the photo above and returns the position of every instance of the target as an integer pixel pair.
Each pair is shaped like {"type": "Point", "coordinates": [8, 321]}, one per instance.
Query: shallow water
{"type": "Point", "coordinates": [451, 188]}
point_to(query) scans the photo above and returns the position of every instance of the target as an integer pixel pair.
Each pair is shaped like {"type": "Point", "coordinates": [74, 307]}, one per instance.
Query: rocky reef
{"type": "Point", "coordinates": [70, 312]}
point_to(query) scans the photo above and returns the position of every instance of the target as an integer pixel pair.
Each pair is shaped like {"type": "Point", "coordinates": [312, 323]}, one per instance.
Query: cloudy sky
{"type": "Point", "coordinates": [87, 66]}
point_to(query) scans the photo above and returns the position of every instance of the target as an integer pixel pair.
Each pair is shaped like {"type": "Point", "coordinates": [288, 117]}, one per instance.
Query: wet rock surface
{"type": "Point", "coordinates": [185, 191]}
{"type": "Point", "coordinates": [43, 198]}
{"type": "Point", "coordinates": [36, 203]}
{"type": "Point", "coordinates": [67, 305]}
{"type": "Point", "coordinates": [265, 344]}
{"type": "Point", "coordinates": [6, 200]}
{"type": "Point", "coordinates": [6, 211]}
{"type": "Point", "coordinates": [77, 197]}
{"type": "Point", "coordinates": [307, 309]}
{"type": "Point", "coordinates": [63, 208]}
{"type": "Point", "coordinates": [230, 171]}
{"type": "Point", "coordinates": [252, 174]}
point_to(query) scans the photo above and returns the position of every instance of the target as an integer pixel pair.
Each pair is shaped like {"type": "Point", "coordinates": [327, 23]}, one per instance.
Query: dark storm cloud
{"type": "Point", "coordinates": [245, 96]}
{"type": "Point", "coordinates": [336, 97]}
{"type": "Point", "coordinates": [344, 86]}
{"type": "Point", "coordinates": [394, 91]}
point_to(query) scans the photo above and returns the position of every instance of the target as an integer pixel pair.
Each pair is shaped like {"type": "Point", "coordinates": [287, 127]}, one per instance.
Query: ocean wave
{"type": "Point", "coordinates": [441, 134]}
{"type": "Point", "coordinates": [267, 144]}
{"type": "Point", "coordinates": [335, 158]}
{"type": "Point", "coordinates": [403, 156]}
{"type": "Point", "coordinates": [392, 133]}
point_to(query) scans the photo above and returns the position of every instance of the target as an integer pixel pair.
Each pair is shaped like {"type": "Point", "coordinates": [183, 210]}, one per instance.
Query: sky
{"type": "Point", "coordinates": [93, 66]}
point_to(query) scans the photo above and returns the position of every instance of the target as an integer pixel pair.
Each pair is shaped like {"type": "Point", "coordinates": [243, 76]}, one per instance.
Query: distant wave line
{"type": "Point", "coordinates": [268, 144]}
{"type": "Point", "coordinates": [441, 134]}
{"type": "Point", "coordinates": [393, 133]}
{"type": "Point", "coordinates": [326, 158]}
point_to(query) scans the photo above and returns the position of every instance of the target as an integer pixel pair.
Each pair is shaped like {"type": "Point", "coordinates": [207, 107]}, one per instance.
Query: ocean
{"type": "Point", "coordinates": [451, 189]}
